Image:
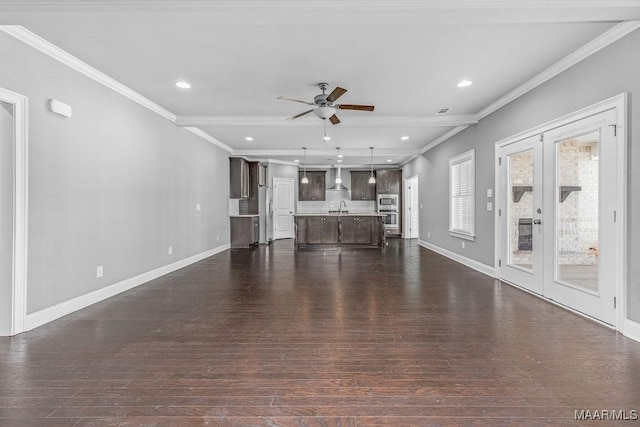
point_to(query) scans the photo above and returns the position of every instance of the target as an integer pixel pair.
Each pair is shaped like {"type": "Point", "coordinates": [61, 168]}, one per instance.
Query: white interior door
{"type": "Point", "coordinates": [412, 208]}
{"type": "Point", "coordinates": [520, 213]}
{"type": "Point", "coordinates": [283, 207]}
{"type": "Point", "coordinates": [557, 231]}
{"type": "Point", "coordinates": [580, 192]}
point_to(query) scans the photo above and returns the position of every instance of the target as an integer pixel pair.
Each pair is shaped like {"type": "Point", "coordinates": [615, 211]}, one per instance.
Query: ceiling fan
{"type": "Point", "coordinates": [324, 105]}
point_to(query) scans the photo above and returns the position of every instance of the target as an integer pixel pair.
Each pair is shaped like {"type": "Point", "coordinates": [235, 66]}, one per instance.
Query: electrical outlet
{"type": "Point", "coordinates": [463, 244]}
{"type": "Point", "coordinates": [197, 206]}
{"type": "Point", "coordinates": [420, 205]}
{"type": "Point", "coordinates": [170, 250]}
{"type": "Point", "coordinates": [428, 234]}
{"type": "Point", "coordinates": [489, 192]}
{"type": "Point", "coordinates": [217, 237]}
{"type": "Point", "coordinates": [489, 206]}
{"type": "Point", "coordinates": [99, 271]}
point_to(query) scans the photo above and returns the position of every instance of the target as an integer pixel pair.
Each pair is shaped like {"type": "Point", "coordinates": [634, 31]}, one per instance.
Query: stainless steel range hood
{"type": "Point", "coordinates": [331, 176]}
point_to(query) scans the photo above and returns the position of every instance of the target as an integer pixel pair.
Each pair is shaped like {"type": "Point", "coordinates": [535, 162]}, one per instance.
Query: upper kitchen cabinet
{"type": "Point", "coordinates": [315, 190]}
{"type": "Point", "coordinates": [238, 178]}
{"type": "Point", "coordinates": [388, 181]}
{"type": "Point", "coordinates": [360, 187]}
{"type": "Point", "coordinates": [257, 179]}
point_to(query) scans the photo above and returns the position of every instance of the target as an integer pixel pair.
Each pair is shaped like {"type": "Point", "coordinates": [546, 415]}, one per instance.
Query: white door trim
{"type": "Point", "coordinates": [20, 168]}
{"type": "Point", "coordinates": [275, 206]}
{"type": "Point", "coordinates": [618, 102]}
{"type": "Point", "coordinates": [406, 228]}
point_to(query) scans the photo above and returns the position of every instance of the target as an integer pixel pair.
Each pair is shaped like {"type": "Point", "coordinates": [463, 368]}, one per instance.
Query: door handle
{"type": "Point", "coordinates": [537, 221]}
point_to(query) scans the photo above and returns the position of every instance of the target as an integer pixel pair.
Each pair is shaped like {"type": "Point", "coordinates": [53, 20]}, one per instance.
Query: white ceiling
{"type": "Point", "coordinates": [403, 56]}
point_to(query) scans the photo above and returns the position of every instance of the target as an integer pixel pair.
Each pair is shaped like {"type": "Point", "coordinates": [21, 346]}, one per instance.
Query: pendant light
{"type": "Point", "coordinates": [338, 178]}
{"type": "Point", "coordinates": [372, 179]}
{"type": "Point", "coordinates": [304, 179]}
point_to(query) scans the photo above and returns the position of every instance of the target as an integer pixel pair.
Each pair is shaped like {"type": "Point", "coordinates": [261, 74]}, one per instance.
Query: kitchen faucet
{"type": "Point", "coordinates": [342, 202]}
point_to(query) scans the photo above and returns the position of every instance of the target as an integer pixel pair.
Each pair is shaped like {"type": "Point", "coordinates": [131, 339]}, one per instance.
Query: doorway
{"type": "Point", "coordinates": [411, 208]}
{"type": "Point", "coordinates": [559, 195]}
{"type": "Point", "coordinates": [283, 208]}
{"type": "Point", "coordinates": [13, 218]}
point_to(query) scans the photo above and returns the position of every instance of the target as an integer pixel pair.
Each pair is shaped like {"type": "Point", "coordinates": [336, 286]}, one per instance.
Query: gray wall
{"type": "Point", "coordinates": [607, 73]}
{"type": "Point", "coordinates": [6, 215]}
{"type": "Point", "coordinates": [114, 185]}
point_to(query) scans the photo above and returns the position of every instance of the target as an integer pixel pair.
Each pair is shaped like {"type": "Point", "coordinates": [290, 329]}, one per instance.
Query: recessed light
{"type": "Point", "coordinates": [297, 161]}
{"type": "Point", "coordinates": [389, 160]}
{"type": "Point", "coordinates": [183, 85]}
{"type": "Point", "coordinates": [404, 138]}
{"type": "Point", "coordinates": [249, 138]}
{"type": "Point", "coordinates": [465, 83]}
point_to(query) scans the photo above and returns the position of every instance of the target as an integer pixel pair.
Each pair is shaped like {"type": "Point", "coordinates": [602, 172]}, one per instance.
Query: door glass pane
{"type": "Point", "coordinates": [577, 208]}
{"type": "Point", "coordinates": [520, 213]}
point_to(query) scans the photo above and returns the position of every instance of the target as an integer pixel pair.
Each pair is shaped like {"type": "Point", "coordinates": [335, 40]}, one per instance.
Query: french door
{"type": "Point", "coordinates": [556, 214]}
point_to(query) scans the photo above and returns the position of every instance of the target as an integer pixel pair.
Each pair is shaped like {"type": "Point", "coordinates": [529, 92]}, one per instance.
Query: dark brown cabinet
{"type": "Point", "coordinates": [320, 230]}
{"type": "Point", "coordinates": [360, 187]}
{"type": "Point", "coordinates": [388, 181]}
{"type": "Point", "coordinates": [245, 231]}
{"type": "Point", "coordinates": [339, 230]}
{"type": "Point", "coordinates": [238, 178]}
{"type": "Point", "coordinates": [315, 190]}
{"type": "Point", "coordinates": [357, 230]}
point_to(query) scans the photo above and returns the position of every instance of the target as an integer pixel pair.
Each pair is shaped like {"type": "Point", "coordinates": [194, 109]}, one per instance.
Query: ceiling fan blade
{"type": "Point", "coordinates": [355, 107]}
{"type": "Point", "coordinates": [285, 98]}
{"type": "Point", "coordinates": [337, 93]}
{"type": "Point", "coordinates": [301, 114]}
{"type": "Point", "coordinates": [334, 120]}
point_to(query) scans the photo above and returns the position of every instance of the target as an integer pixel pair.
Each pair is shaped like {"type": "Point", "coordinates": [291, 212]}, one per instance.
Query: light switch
{"type": "Point", "coordinates": [489, 206]}
{"type": "Point", "coordinates": [489, 192]}
{"type": "Point", "coordinates": [198, 206]}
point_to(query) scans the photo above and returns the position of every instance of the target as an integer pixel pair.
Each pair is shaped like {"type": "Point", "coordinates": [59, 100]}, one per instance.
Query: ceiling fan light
{"type": "Point", "coordinates": [324, 112]}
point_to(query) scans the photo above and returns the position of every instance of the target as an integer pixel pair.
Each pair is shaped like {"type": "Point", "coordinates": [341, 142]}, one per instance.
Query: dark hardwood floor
{"type": "Point", "coordinates": [273, 337]}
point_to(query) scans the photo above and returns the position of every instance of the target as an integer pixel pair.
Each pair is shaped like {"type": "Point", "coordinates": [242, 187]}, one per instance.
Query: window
{"type": "Point", "coordinates": [462, 195]}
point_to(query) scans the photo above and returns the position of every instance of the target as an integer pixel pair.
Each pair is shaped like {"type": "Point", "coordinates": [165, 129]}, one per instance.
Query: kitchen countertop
{"type": "Point", "coordinates": [242, 216]}
{"type": "Point", "coordinates": [339, 214]}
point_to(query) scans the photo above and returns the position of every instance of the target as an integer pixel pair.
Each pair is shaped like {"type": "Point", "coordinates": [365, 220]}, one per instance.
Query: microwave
{"type": "Point", "coordinates": [387, 201]}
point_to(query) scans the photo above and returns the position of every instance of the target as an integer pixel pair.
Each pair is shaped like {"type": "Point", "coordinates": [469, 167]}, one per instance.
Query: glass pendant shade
{"type": "Point", "coordinates": [304, 179]}
{"type": "Point", "coordinates": [372, 179]}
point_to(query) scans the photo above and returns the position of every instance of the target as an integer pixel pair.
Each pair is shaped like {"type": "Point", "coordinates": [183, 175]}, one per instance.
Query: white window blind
{"type": "Point", "coordinates": [462, 195]}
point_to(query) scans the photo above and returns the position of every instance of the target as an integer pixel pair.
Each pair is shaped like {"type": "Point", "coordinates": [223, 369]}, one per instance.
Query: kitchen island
{"type": "Point", "coordinates": [339, 230]}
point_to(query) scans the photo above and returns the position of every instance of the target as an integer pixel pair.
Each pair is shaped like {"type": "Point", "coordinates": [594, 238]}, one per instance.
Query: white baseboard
{"type": "Point", "coordinates": [631, 330]}
{"type": "Point", "coordinates": [57, 311]}
{"type": "Point", "coordinates": [478, 266]}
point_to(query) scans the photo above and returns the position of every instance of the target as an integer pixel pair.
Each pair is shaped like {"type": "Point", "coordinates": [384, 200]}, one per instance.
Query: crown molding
{"type": "Point", "coordinates": [69, 60]}
{"type": "Point", "coordinates": [595, 45]}
{"type": "Point", "coordinates": [282, 162]}
{"type": "Point", "coordinates": [385, 4]}
{"type": "Point", "coordinates": [329, 152]}
{"type": "Point", "coordinates": [368, 121]}
{"type": "Point", "coordinates": [605, 39]}
{"type": "Point", "coordinates": [209, 138]}
{"type": "Point", "coordinates": [37, 42]}
{"type": "Point", "coordinates": [443, 138]}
